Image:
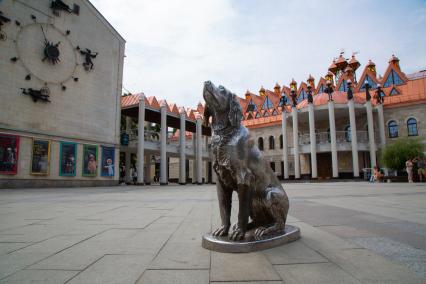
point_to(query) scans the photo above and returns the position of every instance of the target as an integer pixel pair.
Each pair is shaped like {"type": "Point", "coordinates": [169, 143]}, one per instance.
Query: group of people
{"type": "Point", "coordinates": [421, 168]}
{"type": "Point", "coordinates": [418, 162]}
{"type": "Point", "coordinates": [133, 175]}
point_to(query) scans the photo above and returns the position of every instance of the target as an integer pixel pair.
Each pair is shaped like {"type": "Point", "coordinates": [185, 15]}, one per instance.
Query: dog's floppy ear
{"type": "Point", "coordinates": [207, 114]}
{"type": "Point", "coordinates": [235, 111]}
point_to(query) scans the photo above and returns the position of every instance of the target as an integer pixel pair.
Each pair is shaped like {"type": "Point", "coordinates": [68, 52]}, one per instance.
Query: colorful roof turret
{"type": "Point", "coordinates": [311, 81]}
{"type": "Point", "coordinates": [333, 67]}
{"type": "Point", "coordinates": [277, 89]}
{"type": "Point", "coordinates": [354, 63]}
{"type": "Point", "coordinates": [329, 76]}
{"type": "Point", "coordinates": [262, 92]}
{"type": "Point", "coordinates": [247, 95]}
{"type": "Point", "coordinates": [293, 85]}
{"type": "Point", "coordinates": [371, 66]}
{"type": "Point", "coordinates": [394, 61]}
{"type": "Point", "coordinates": [341, 62]}
{"type": "Point", "coordinates": [349, 71]}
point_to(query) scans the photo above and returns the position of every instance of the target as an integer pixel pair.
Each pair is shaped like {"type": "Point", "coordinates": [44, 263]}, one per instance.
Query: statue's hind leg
{"type": "Point", "coordinates": [277, 202]}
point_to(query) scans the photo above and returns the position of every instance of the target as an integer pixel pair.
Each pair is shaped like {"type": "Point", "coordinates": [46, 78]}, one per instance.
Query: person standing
{"type": "Point", "coordinates": [134, 174]}
{"type": "Point", "coordinates": [421, 168]}
{"type": "Point", "coordinates": [409, 169]}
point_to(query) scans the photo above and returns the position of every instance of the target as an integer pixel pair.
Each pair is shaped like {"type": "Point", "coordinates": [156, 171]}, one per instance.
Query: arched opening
{"type": "Point", "coordinates": [412, 127]}
{"type": "Point", "coordinates": [260, 143]}
{"type": "Point", "coordinates": [393, 129]}
{"type": "Point", "coordinates": [271, 143]}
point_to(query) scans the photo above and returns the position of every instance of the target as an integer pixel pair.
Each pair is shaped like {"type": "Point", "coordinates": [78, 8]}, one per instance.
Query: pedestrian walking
{"type": "Point", "coordinates": [421, 168]}
{"type": "Point", "coordinates": [409, 169]}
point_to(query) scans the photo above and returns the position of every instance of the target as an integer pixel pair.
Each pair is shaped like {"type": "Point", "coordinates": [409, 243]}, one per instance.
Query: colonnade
{"type": "Point", "coordinates": [143, 177]}
{"type": "Point", "coordinates": [333, 140]}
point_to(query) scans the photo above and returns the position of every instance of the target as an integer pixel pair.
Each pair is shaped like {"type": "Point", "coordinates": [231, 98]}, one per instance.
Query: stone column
{"type": "Point", "coordinates": [163, 144]}
{"type": "Point", "coordinates": [313, 140]}
{"type": "Point", "coordinates": [141, 140]}
{"type": "Point", "coordinates": [295, 143]}
{"type": "Point", "coordinates": [182, 143]}
{"type": "Point", "coordinates": [332, 122]}
{"type": "Point", "coordinates": [199, 157]}
{"type": "Point", "coordinates": [194, 161]}
{"type": "Point", "coordinates": [285, 143]}
{"type": "Point", "coordinates": [354, 139]}
{"type": "Point", "coordinates": [148, 169]}
{"type": "Point", "coordinates": [371, 133]}
{"type": "Point", "coordinates": [381, 118]}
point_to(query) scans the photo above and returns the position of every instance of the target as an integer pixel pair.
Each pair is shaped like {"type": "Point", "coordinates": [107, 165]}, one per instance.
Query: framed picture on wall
{"type": "Point", "coordinates": [9, 151]}
{"type": "Point", "coordinates": [67, 159]}
{"type": "Point", "coordinates": [40, 158]}
{"type": "Point", "coordinates": [108, 159]}
{"type": "Point", "coordinates": [90, 160]}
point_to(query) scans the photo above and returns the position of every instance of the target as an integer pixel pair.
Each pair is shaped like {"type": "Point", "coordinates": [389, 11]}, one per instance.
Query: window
{"type": "Point", "coordinates": [281, 141]}
{"type": "Point", "coordinates": [272, 166]}
{"type": "Point", "coordinates": [249, 116]}
{"type": "Point", "coordinates": [266, 114]}
{"type": "Point", "coordinates": [393, 129]}
{"type": "Point", "coordinates": [271, 143]}
{"type": "Point", "coordinates": [260, 143]}
{"type": "Point", "coordinates": [412, 127]}
{"type": "Point", "coordinates": [274, 112]}
{"type": "Point", "coordinates": [393, 79]}
{"type": "Point", "coordinates": [372, 84]}
{"type": "Point", "coordinates": [321, 89]}
{"type": "Point", "coordinates": [348, 134]}
{"type": "Point", "coordinates": [301, 96]}
{"type": "Point", "coordinates": [267, 104]}
{"type": "Point", "coordinates": [394, 92]}
{"type": "Point", "coordinates": [344, 86]}
{"type": "Point", "coordinates": [258, 115]}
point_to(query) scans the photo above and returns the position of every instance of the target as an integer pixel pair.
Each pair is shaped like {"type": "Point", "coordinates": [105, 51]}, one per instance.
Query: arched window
{"type": "Point", "coordinates": [393, 129]}
{"type": "Point", "coordinates": [271, 143]}
{"type": "Point", "coordinates": [412, 127]}
{"type": "Point", "coordinates": [272, 166]}
{"type": "Point", "coordinates": [348, 136]}
{"type": "Point", "coordinates": [260, 143]}
{"type": "Point", "coordinates": [281, 141]}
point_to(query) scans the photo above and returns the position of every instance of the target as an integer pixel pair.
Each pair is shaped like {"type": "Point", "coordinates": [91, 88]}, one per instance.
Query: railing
{"type": "Point", "coordinates": [341, 137]}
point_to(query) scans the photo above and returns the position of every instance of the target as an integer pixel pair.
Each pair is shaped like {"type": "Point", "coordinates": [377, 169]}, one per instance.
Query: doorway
{"type": "Point", "coordinates": [324, 165]}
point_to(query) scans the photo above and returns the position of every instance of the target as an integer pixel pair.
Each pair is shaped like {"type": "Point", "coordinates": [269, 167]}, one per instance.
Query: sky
{"type": "Point", "coordinates": [173, 46]}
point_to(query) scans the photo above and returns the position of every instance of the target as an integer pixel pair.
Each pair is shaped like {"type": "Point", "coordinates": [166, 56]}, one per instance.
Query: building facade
{"type": "Point", "coordinates": [306, 130]}
{"type": "Point", "coordinates": [61, 66]}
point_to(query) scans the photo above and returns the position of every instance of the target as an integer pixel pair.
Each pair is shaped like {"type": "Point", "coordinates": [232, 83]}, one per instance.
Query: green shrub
{"type": "Point", "coordinates": [396, 154]}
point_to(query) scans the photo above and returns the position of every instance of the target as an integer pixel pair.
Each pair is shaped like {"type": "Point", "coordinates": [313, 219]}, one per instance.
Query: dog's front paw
{"type": "Point", "coordinates": [237, 235]}
{"type": "Point", "coordinates": [221, 231]}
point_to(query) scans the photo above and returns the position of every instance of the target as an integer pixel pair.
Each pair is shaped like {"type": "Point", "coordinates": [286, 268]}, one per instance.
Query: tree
{"type": "Point", "coordinates": [396, 154]}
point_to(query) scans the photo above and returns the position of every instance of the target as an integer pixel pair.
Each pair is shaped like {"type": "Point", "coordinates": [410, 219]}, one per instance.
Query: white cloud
{"type": "Point", "coordinates": [174, 46]}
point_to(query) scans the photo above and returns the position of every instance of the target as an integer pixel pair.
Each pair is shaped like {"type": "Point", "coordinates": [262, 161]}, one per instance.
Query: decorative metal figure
{"type": "Point", "coordinates": [51, 51]}
{"type": "Point", "coordinates": [240, 167]}
{"type": "Point", "coordinates": [329, 90]}
{"type": "Point", "coordinates": [293, 96]}
{"type": "Point", "coordinates": [310, 97]}
{"type": "Point", "coordinates": [367, 90]}
{"type": "Point", "coordinates": [43, 94]}
{"type": "Point", "coordinates": [350, 92]}
{"type": "Point", "coordinates": [88, 55]}
{"type": "Point", "coordinates": [283, 100]}
{"type": "Point", "coordinates": [59, 5]}
{"type": "Point", "coordinates": [380, 96]}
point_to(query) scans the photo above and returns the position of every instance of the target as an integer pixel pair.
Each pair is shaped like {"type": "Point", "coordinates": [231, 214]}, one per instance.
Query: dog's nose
{"type": "Point", "coordinates": [207, 83]}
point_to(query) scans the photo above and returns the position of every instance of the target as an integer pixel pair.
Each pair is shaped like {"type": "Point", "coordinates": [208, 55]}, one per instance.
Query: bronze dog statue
{"type": "Point", "coordinates": [240, 167]}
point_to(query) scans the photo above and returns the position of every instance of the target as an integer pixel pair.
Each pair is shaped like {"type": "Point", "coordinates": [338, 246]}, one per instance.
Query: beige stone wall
{"type": "Point", "coordinates": [401, 115]}
{"type": "Point", "coordinates": [88, 111]}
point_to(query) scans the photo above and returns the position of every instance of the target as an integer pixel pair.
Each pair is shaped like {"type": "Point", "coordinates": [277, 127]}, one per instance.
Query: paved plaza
{"type": "Point", "coordinates": [352, 232]}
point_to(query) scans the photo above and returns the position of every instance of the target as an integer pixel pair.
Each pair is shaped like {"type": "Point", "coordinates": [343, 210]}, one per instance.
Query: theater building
{"type": "Point", "coordinates": [61, 66]}
{"type": "Point", "coordinates": [334, 128]}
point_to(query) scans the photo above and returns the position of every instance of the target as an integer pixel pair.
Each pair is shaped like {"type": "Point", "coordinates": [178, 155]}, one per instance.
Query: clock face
{"type": "Point", "coordinates": [46, 52]}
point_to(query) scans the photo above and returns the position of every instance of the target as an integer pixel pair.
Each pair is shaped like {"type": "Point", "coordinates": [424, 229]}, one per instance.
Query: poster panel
{"type": "Point", "coordinates": [90, 160]}
{"type": "Point", "coordinates": [108, 159]}
{"type": "Point", "coordinates": [40, 157]}
{"type": "Point", "coordinates": [9, 151]}
{"type": "Point", "coordinates": [67, 159]}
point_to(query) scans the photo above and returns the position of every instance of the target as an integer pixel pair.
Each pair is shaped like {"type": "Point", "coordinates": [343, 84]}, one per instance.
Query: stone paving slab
{"type": "Point", "coordinates": [351, 233]}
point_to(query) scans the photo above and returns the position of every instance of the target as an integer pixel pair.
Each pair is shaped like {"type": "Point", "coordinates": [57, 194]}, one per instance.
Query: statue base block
{"type": "Point", "coordinates": [250, 244]}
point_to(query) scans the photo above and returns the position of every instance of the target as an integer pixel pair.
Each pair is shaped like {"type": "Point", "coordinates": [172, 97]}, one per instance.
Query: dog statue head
{"type": "Point", "coordinates": [222, 105]}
